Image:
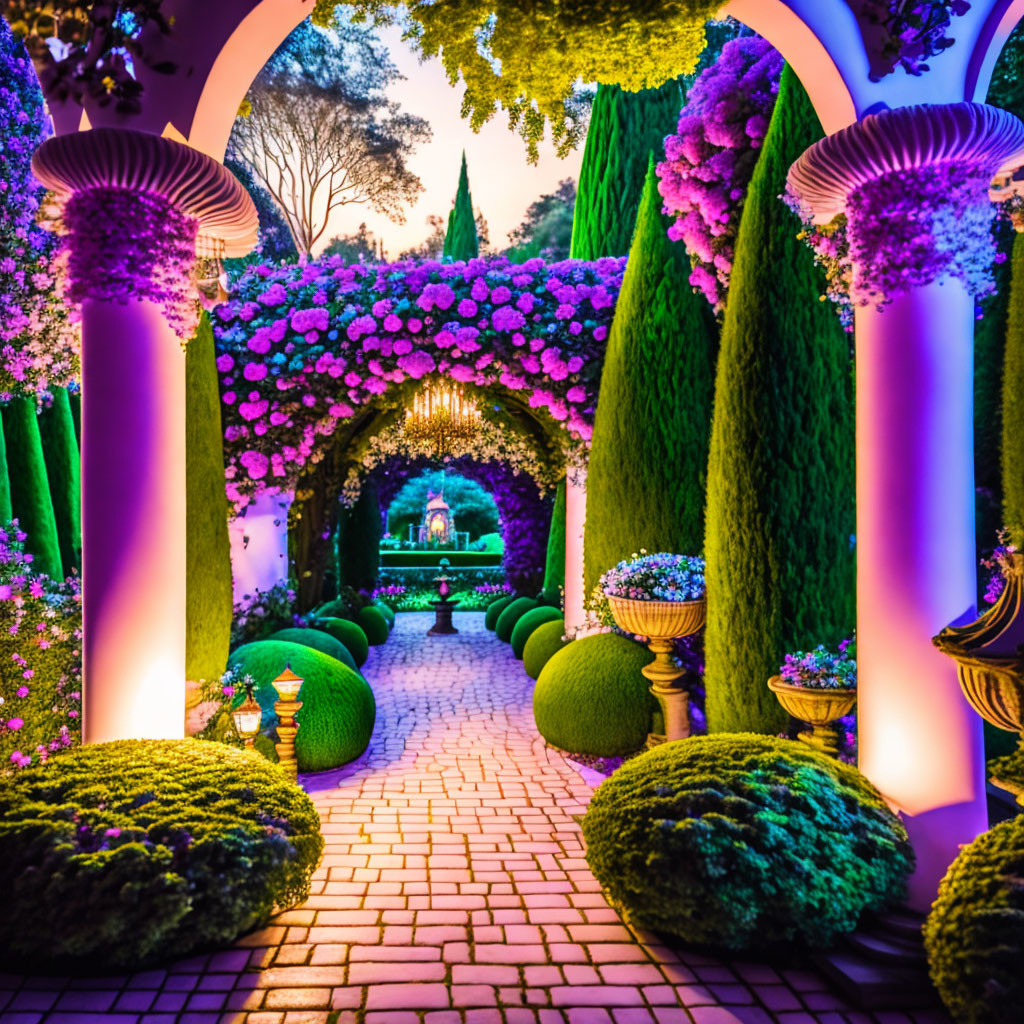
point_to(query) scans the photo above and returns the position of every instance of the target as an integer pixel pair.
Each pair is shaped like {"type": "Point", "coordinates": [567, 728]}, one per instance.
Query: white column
{"type": "Point", "coordinates": [259, 545]}
{"type": "Point", "coordinates": [575, 520]}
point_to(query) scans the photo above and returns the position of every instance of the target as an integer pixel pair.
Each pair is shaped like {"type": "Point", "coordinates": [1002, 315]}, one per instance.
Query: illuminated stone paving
{"type": "Point", "coordinates": [453, 889]}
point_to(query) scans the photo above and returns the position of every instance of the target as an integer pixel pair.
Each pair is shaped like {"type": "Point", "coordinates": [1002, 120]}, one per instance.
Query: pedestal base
{"type": "Point", "coordinates": [675, 707]}
{"type": "Point", "coordinates": [443, 618]}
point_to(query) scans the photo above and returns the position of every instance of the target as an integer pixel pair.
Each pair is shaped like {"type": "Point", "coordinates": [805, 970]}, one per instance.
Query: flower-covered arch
{"type": "Point", "coordinates": [305, 350]}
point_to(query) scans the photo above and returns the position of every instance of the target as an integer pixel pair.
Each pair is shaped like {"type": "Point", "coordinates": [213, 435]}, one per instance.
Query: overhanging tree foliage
{"type": "Point", "coordinates": [648, 460]}
{"type": "Point", "coordinates": [460, 242]}
{"type": "Point", "coordinates": [780, 507]}
{"type": "Point", "coordinates": [625, 128]}
{"type": "Point", "coordinates": [208, 554]}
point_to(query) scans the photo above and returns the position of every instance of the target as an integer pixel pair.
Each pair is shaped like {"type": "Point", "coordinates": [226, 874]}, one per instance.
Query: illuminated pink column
{"type": "Point", "coordinates": [913, 184]}
{"type": "Point", "coordinates": [133, 204]}
{"type": "Point", "coordinates": [575, 519]}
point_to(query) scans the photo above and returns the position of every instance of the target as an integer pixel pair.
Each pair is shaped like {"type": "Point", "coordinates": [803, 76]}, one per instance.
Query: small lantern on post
{"type": "Point", "coordinates": [443, 607]}
{"type": "Point", "coordinates": [287, 685]}
{"type": "Point", "coordinates": [247, 717]}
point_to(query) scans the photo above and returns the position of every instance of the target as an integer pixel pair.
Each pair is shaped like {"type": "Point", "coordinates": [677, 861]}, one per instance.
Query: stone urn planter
{"type": "Point", "coordinates": [818, 707]}
{"type": "Point", "coordinates": [989, 654]}
{"type": "Point", "coordinates": [662, 622]}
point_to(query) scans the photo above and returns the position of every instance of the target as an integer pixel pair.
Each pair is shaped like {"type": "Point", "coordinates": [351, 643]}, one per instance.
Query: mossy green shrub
{"type": "Point", "coordinates": [745, 841]}
{"type": "Point", "coordinates": [495, 608]}
{"type": "Point", "coordinates": [590, 697]}
{"type": "Point", "coordinates": [528, 623]}
{"type": "Point", "coordinates": [510, 615]}
{"type": "Point", "coordinates": [372, 622]}
{"type": "Point", "coordinates": [349, 633]}
{"type": "Point", "coordinates": [320, 641]}
{"type": "Point", "coordinates": [542, 645]}
{"type": "Point", "coordinates": [387, 611]}
{"type": "Point", "coordinates": [120, 854]}
{"type": "Point", "coordinates": [338, 709]}
{"type": "Point", "coordinates": [974, 935]}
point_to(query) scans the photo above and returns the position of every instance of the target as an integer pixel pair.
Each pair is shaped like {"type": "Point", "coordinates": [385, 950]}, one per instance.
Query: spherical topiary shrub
{"type": "Point", "coordinates": [116, 855]}
{"type": "Point", "coordinates": [373, 624]}
{"type": "Point", "coordinates": [590, 698]}
{"type": "Point", "coordinates": [495, 608]}
{"type": "Point", "coordinates": [338, 709]}
{"type": "Point", "coordinates": [544, 642]}
{"type": "Point", "coordinates": [740, 841]}
{"type": "Point", "coordinates": [511, 615]}
{"type": "Point", "coordinates": [348, 633]}
{"type": "Point", "coordinates": [319, 641]}
{"type": "Point", "coordinates": [387, 611]}
{"type": "Point", "coordinates": [334, 609]}
{"type": "Point", "coordinates": [528, 623]}
{"type": "Point", "coordinates": [974, 935]}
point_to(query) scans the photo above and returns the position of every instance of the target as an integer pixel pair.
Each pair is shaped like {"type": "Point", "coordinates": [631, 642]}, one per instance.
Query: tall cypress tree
{"type": "Point", "coordinates": [60, 449]}
{"type": "Point", "coordinates": [359, 533]}
{"type": "Point", "coordinates": [461, 242]}
{"type": "Point", "coordinates": [1013, 403]}
{"type": "Point", "coordinates": [648, 461]}
{"type": "Point", "coordinates": [6, 514]}
{"type": "Point", "coordinates": [30, 490]}
{"type": "Point", "coordinates": [625, 128]}
{"type": "Point", "coordinates": [780, 500]}
{"type": "Point", "coordinates": [554, 565]}
{"type": "Point", "coordinates": [208, 606]}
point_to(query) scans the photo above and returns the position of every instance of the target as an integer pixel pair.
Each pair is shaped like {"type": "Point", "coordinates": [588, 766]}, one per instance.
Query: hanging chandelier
{"type": "Point", "coordinates": [441, 416]}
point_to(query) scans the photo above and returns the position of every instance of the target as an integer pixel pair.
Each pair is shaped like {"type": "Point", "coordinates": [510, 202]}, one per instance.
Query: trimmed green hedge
{"type": "Point", "coordinates": [510, 615]}
{"type": "Point", "coordinates": [318, 640]}
{"type": "Point", "coordinates": [60, 450]}
{"type": "Point", "coordinates": [117, 855]}
{"type": "Point", "coordinates": [590, 697]}
{"type": "Point", "coordinates": [554, 565]}
{"type": "Point", "coordinates": [542, 645]}
{"type": "Point", "coordinates": [524, 628]}
{"type": "Point", "coordinates": [495, 608]}
{"type": "Point", "coordinates": [373, 623]}
{"type": "Point", "coordinates": [348, 633]}
{"type": "Point", "coordinates": [974, 935]}
{"type": "Point", "coordinates": [745, 841]}
{"type": "Point", "coordinates": [422, 577]}
{"type": "Point", "coordinates": [1013, 404]}
{"type": "Point", "coordinates": [338, 709]}
{"type": "Point", "coordinates": [209, 597]}
{"type": "Point", "coordinates": [417, 559]}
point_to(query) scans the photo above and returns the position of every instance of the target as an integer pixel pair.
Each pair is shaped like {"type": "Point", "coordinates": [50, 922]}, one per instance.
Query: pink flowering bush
{"type": "Point", "coordinates": [303, 347]}
{"type": "Point", "coordinates": [40, 658]}
{"type": "Point", "coordinates": [39, 344]}
{"type": "Point", "coordinates": [997, 564]}
{"type": "Point", "coordinates": [709, 161]}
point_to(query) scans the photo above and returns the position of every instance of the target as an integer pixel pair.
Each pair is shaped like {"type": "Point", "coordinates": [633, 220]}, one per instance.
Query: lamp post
{"type": "Point", "coordinates": [247, 717]}
{"type": "Point", "coordinates": [287, 685]}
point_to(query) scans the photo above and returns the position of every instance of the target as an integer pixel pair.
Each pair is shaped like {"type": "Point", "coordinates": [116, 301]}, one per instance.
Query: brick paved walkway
{"type": "Point", "coordinates": [453, 889]}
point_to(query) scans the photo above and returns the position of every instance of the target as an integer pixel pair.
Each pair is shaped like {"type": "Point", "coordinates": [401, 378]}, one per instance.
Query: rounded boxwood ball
{"type": "Point", "coordinates": [543, 643]}
{"type": "Point", "coordinates": [528, 623]}
{"type": "Point", "coordinates": [743, 841]}
{"type": "Point", "coordinates": [337, 609]}
{"type": "Point", "coordinates": [319, 641]}
{"type": "Point", "coordinates": [117, 855]}
{"type": "Point", "coordinates": [511, 614]}
{"type": "Point", "coordinates": [590, 698]}
{"type": "Point", "coordinates": [495, 608]}
{"type": "Point", "coordinates": [348, 633]}
{"type": "Point", "coordinates": [974, 935]}
{"type": "Point", "coordinates": [338, 709]}
{"type": "Point", "coordinates": [373, 624]}
{"type": "Point", "coordinates": [387, 611]}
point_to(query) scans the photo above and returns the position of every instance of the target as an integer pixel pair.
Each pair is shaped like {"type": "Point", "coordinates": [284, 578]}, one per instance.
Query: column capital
{"type": "Point", "coordinates": [196, 185]}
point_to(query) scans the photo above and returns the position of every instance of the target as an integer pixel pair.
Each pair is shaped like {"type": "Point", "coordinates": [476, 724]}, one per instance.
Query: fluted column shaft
{"type": "Point", "coordinates": [919, 741]}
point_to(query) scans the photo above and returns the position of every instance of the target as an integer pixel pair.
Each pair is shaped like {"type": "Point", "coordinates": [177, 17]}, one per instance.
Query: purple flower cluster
{"type": "Point", "coordinates": [660, 577]}
{"type": "Point", "coordinates": [303, 347]}
{"type": "Point", "coordinates": [822, 669]}
{"type": "Point", "coordinates": [262, 612]}
{"type": "Point", "coordinates": [709, 161]}
{"type": "Point", "coordinates": [997, 565]}
{"type": "Point", "coordinates": [40, 649]}
{"type": "Point", "coordinates": [39, 345]}
{"type": "Point", "coordinates": [393, 590]}
{"type": "Point", "coordinates": [493, 588]}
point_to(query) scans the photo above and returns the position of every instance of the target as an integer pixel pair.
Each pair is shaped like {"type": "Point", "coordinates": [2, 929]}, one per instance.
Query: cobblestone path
{"type": "Point", "coordinates": [453, 890]}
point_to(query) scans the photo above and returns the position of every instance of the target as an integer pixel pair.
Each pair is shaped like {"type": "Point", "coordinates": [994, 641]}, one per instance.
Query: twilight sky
{"type": "Point", "coordinates": [502, 182]}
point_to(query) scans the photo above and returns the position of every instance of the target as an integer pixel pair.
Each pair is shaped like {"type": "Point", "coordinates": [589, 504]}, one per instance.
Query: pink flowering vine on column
{"type": "Point", "coordinates": [709, 161]}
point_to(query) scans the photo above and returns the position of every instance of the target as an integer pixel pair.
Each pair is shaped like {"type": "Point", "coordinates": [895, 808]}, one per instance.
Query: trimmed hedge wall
{"type": "Point", "coordinates": [120, 854]}
{"type": "Point", "coordinates": [470, 559]}
{"type": "Point", "coordinates": [1013, 403]}
{"type": "Point", "coordinates": [463, 578]}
